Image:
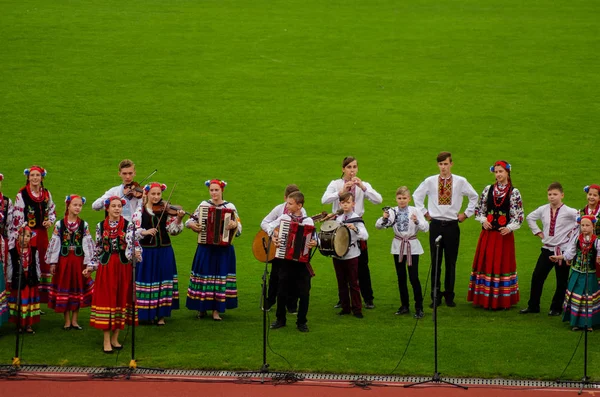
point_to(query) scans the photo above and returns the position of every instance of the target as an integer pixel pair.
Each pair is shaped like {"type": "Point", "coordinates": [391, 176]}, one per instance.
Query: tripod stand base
{"type": "Point", "coordinates": [582, 383]}
{"type": "Point", "coordinates": [436, 378]}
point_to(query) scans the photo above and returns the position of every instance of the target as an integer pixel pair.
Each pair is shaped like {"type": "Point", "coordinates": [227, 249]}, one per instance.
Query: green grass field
{"type": "Point", "coordinates": [266, 93]}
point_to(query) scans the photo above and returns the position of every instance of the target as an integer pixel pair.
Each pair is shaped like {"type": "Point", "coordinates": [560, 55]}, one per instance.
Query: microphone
{"type": "Point", "coordinates": [438, 239]}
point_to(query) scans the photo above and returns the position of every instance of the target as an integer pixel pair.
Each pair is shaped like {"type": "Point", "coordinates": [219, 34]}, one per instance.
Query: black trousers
{"type": "Point", "coordinates": [448, 250]}
{"type": "Point", "coordinates": [542, 268]}
{"type": "Point", "coordinates": [293, 275]}
{"type": "Point", "coordinates": [292, 300]}
{"type": "Point", "coordinates": [364, 275]}
{"type": "Point", "coordinates": [413, 276]}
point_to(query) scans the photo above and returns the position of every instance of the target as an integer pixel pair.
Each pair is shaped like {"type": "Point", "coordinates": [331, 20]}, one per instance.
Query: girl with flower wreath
{"type": "Point", "coordinates": [71, 249]}
{"type": "Point", "coordinates": [6, 212]}
{"type": "Point", "coordinates": [494, 283]}
{"type": "Point", "coordinates": [593, 206]}
{"type": "Point", "coordinates": [213, 283]}
{"type": "Point", "coordinates": [112, 302]}
{"type": "Point", "coordinates": [34, 206]}
{"type": "Point", "coordinates": [582, 299]}
{"type": "Point", "coordinates": [156, 284]}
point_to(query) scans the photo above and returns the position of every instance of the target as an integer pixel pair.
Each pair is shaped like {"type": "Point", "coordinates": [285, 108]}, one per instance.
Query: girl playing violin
{"type": "Point", "coordinates": [112, 301]}
{"type": "Point", "coordinates": [156, 285]}
{"type": "Point", "coordinates": [71, 249]}
{"type": "Point", "coordinates": [213, 279]}
{"type": "Point", "coordinates": [128, 190]}
{"type": "Point", "coordinates": [34, 206]}
{"type": "Point", "coordinates": [23, 270]}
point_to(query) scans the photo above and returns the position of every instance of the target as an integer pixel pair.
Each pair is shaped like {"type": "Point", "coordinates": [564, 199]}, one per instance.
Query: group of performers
{"type": "Point", "coordinates": [136, 273]}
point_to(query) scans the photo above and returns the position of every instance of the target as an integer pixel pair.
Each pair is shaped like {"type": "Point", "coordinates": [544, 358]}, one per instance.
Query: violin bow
{"type": "Point", "coordinates": [165, 210]}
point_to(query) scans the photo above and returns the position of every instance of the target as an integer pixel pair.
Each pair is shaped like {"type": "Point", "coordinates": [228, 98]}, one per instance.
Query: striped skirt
{"type": "Point", "coordinates": [70, 289]}
{"type": "Point", "coordinates": [580, 309]}
{"type": "Point", "coordinates": [29, 313]}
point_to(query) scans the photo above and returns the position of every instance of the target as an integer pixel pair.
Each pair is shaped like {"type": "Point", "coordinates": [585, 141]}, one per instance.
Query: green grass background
{"type": "Point", "coordinates": [266, 93]}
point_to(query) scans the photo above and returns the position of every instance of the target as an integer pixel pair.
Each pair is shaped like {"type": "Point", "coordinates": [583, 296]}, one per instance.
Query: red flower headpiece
{"type": "Point", "coordinates": [1, 177]}
{"type": "Point", "coordinates": [502, 164]}
{"type": "Point", "coordinates": [590, 218]}
{"type": "Point", "coordinates": [24, 228]}
{"type": "Point", "coordinates": [219, 182]}
{"type": "Point", "coordinates": [592, 186]}
{"type": "Point", "coordinates": [27, 171]}
{"type": "Point", "coordinates": [149, 186]}
{"type": "Point", "coordinates": [111, 199]}
{"type": "Point", "coordinates": [70, 198]}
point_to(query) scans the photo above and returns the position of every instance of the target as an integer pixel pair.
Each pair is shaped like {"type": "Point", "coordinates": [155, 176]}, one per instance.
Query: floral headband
{"type": "Point", "coordinates": [219, 182]}
{"type": "Point", "coordinates": [24, 228]}
{"type": "Point", "coordinates": [585, 189]}
{"type": "Point", "coordinates": [502, 164]}
{"type": "Point", "coordinates": [590, 218]}
{"type": "Point", "coordinates": [1, 177]}
{"type": "Point", "coordinates": [27, 171]}
{"type": "Point", "coordinates": [111, 199]}
{"type": "Point", "coordinates": [149, 186]}
{"type": "Point", "coordinates": [70, 198]}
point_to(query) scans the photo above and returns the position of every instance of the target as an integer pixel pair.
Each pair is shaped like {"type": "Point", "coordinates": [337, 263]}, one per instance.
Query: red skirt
{"type": "Point", "coordinates": [113, 296]}
{"type": "Point", "coordinates": [70, 289]}
{"type": "Point", "coordinates": [30, 305]}
{"type": "Point", "coordinates": [494, 283]}
{"type": "Point", "coordinates": [41, 244]}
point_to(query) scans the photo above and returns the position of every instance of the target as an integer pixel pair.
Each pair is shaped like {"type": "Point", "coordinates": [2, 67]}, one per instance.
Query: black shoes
{"type": "Point", "coordinates": [343, 313]}
{"type": "Point", "coordinates": [337, 305]}
{"type": "Point", "coordinates": [450, 303]}
{"type": "Point", "coordinates": [369, 305]}
{"type": "Point", "coordinates": [419, 314]}
{"type": "Point", "coordinates": [554, 313]}
{"type": "Point", "coordinates": [277, 324]}
{"type": "Point", "coordinates": [302, 327]}
{"type": "Point", "coordinates": [439, 303]}
{"type": "Point", "coordinates": [358, 315]}
{"type": "Point", "coordinates": [402, 310]}
{"type": "Point", "coordinates": [528, 310]}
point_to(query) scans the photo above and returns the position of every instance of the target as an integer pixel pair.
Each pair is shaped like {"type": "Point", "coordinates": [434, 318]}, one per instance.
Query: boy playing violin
{"type": "Point", "coordinates": [127, 190]}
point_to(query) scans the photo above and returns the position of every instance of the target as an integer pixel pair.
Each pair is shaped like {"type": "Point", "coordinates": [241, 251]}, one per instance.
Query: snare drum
{"type": "Point", "coordinates": [334, 239]}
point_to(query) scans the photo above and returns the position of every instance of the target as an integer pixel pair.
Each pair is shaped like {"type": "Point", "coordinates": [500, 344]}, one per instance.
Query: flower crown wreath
{"type": "Point", "coordinates": [588, 217]}
{"type": "Point", "coordinates": [216, 182]}
{"type": "Point", "coordinates": [502, 164]}
{"type": "Point", "coordinates": [27, 171]}
{"type": "Point", "coordinates": [149, 186]}
{"type": "Point", "coordinates": [585, 189]}
{"type": "Point", "coordinates": [71, 197]}
{"type": "Point", "coordinates": [113, 198]}
{"type": "Point", "coordinates": [1, 177]}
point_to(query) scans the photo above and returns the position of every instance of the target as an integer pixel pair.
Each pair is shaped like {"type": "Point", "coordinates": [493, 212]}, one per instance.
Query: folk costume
{"type": "Point", "coordinates": [595, 213]}
{"type": "Point", "coordinates": [292, 303]}
{"type": "Point", "coordinates": [213, 284]}
{"type": "Point", "coordinates": [293, 276]}
{"type": "Point", "coordinates": [113, 289]}
{"type": "Point", "coordinates": [331, 196]}
{"type": "Point", "coordinates": [445, 199]}
{"type": "Point", "coordinates": [558, 228]}
{"type": "Point", "coordinates": [582, 300]}
{"type": "Point", "coordinates": [494, 283]}
{"type": "Point", "coordinates": [6, 213]}
{"type": "Point", "coordinates": [34, 209]}
{"type": "Point", "coordinates": [71, 249]}
{"type": "Point", "coordinates": [24, 261]}
{"type": "Point", "coordinates": [406, 249]}
{"type": "Point", "coordinates": [346, 267]}
{"type": "Point", "coordinates": [156, 281]}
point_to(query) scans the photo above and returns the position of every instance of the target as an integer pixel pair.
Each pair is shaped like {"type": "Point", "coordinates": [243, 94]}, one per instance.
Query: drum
{"type": "Point", "coordinates": [334, 239]}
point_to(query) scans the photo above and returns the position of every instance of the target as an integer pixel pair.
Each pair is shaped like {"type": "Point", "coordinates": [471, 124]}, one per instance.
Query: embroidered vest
{"type": "Point", "coordinates": [32, 276]}
{"type": "Point", "coordinates": [3, 215]}
{"type": "Point", "coordinates": [113, 245]}
{"type": "Point", "coordinates": [581, 263]}
{"type": "Point", "coordinates": [498, 211]}
{"type": "Point", "coordinates": [162, 238]}
{"type": "Point", "coordinates": [71, 239]}
{"type": "Point", "coordinates": [35, 213]}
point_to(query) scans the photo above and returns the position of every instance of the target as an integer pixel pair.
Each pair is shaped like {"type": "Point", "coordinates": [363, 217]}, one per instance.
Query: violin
{"type": "Point", "coordinates": [133, 190]}
{"type": "Point", "coordinates": [171, 209]}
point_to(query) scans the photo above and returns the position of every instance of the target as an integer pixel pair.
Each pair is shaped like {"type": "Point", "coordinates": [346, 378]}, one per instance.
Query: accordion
{"type": "Point", "coordinates": [214, 221]}
{"type": "Point", "coordinates": [293, 241]}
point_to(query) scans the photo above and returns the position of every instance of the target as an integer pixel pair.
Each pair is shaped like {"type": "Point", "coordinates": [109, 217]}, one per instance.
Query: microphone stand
{"type": "Point", "coordinates": [436, 378]}
{"type": "Point", "coordinates": [15, 367]}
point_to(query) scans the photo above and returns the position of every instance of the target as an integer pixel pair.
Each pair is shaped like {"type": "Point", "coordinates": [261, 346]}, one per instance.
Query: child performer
{"type": "Point", "coordinates": [559, 223]}
{"type": "Point", "coordinates": [112, 300]}
{"type": "Point", "coordinates": [35, 207]}
{"type": "Point", "coordinates": [346, 268]}
{"type": "Point", "coordinates": [126, 190]}
{"type": "Point", "coordinates": [593, 205]}
{"type": "Point", "coordinates": [494, 283]}
{"type": "Point", "coordinates": [293, 275]}
{"type": "Point", "coordinates": [406, 221]}
{"type": "Point", "coordinates": [24, 259]}
{"type": "Point", "coordinates": [582, 301]}
{"type": "Point", "coordinates": [362, 191]}
{"type": "Point", "coordinates": [6, 212]}
{"type": "Point", "coordinates": [292, 304]}
{"type": "Point", "coordinates": [71, 249]}
{"type": "Point", "coordinates": [213, 283]}
{"type": "Point", "coordinates": [156, 285]}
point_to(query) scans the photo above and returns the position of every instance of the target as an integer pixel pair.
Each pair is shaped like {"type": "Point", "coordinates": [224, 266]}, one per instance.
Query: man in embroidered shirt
{"type": "Point", "coordinates": [445, 194]}
{"type": "Point", "coordinates": [559, 225]}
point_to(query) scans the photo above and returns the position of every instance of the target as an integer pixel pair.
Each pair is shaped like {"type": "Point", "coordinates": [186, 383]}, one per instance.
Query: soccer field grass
{"type": "Point", "coordinates": [266, 93]}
